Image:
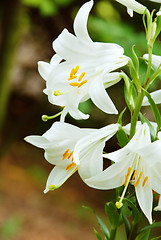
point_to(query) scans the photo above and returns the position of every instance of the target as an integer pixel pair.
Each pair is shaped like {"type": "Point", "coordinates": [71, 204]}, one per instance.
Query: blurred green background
{"type": "Point", "coordinates": [27, 29]}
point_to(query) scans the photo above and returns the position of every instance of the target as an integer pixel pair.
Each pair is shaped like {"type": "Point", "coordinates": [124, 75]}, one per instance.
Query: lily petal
{"type": "Point", "coordinates": [38, 141]}
{"type": "Point", "coordinates": [57, 177]}
{"type": "Point", "coordinates": [112, 177]}
{"type": "Point", "coordinates": [92, 162]}
{"type": "Point", "coordinates": [100, 97]}
{"type": "Point", "coordinates": [156, 96]}
{"type": "Point", "coordinates": [80, 22]}
{"type": "Point", "coordinates": [145, 200]}
{"type": "Point", "coordinates": [44, 69]}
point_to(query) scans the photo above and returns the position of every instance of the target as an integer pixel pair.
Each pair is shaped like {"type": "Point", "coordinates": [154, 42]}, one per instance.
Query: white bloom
{"type": "Point", "coordinates": [156, 95]}
{"type": "Point", "coordinates": [85, 71]}
{"type": "Point", "coordinates": [132, 5]}
{"type": "Point", "coordinates": [139, 163]}
{"type": "Point", "coordinates": [70, 149]}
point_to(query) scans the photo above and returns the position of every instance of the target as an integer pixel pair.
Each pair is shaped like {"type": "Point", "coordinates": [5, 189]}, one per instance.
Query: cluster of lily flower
{"type": "Point", "coordinates": [83, 69]}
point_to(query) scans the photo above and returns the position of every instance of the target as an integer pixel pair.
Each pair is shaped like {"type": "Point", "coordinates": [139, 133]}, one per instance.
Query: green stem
{"type": "Point", "coordinates": [135, 115]}
{"type": "Point", "coordinates": [146, 83]}
{"type": "Point", "coordinates": [133, 232]}
{"type": "Point", "coordinates": [113, 233]}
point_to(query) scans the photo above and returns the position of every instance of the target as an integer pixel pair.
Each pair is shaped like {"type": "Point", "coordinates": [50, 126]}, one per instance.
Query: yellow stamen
{"type": "Point", "coordinates": [70, 154]}
{"type": "Point", "coordinates": [76, 69]}
{"type": "Point", "coordinates": [72, 72]}
{"type": "Point", "coordinates": [127, 175]}
{"type": "Point", "coordinates": [66, 154]}
{"type": "Point", "coordinates": [134, 174]}
{"type": "Point", "coordinates": [72, 77]}
{"type": "Point", "coordinates": [70, 166]}
{"type": "Point", "coordinates": [145, 180]}
{"type": "Point", "coordinates": [81, 76]}
{"type": "Point", "coordinates": [82, 83]}
{"type": "Point", "coordinates": [138, 180]}
{"type": "Point", "coordinates": [74, 84]}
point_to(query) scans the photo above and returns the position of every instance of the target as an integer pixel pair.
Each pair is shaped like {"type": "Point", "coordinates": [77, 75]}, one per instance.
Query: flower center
{"type": "Point", "coordinates": [67, 155]}
{"type": "Point", "coordinates": [79, 80]}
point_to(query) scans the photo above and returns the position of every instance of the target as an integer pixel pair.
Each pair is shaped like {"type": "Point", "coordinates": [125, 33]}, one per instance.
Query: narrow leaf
{"type": "Point", "coordinates": [152, 130]}
{"type": "Point", "coordinates": [144, 236]}
{"type": "Point", "coordinates": [154, 108]}
{"type": "Point", "coordinates": [101, 223]}
{"type": "Point", "coordinates": [113, 214]}
{"type": "Point", "coordinates": [135, 211]}
{"type": "Point", "coordinates": [154, 225]}
{"type": "Point", "coordinates": [122, 138]}
{"type": "Point", "coordinates": [97, 234]}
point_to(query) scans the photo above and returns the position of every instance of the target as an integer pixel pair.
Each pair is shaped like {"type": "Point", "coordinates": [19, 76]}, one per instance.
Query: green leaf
{"type": "Point", "coordinates": [158, 29]}
{"type": "Point", "coordinates": [154, 108]}
{"type": "Point", "coordinates": [97, 234]}
{"type": "Point", "coordinates": [153, 225]}
{"type": "Point", "coordinates": [135, 211]}
{"type": "Point", "coordinates": [125, 212]}
{"type": "Point", "coordinates": [152, 130]}
{"type": "Point", "coordinates": [122, 138]}
{"type": "Point", "coordinates": [136, 59]}
{"type": "Point", "coordinates": [113, 214]}
{"type": "Point", "coordinates": [101, 223]}
{"type": "Point", "coordinates": [144, 236]}
{"type": "Point", "coordinates": [120, 116]}
{"type": "Point", "coordinates": [156, 238]}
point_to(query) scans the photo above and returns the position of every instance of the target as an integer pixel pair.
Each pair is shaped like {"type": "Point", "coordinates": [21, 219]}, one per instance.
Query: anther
{"type": "Point", "coordinates": [138, 180]}
{"type": "Point", "coordinates": [81, 76]}
{"type": "Point", "coordinates": [66, 154]}
{"type": "Point", "coordinates": [145, 180]}
{"type": "Point", "coordinates": [82, 83]}
{"type": "Point", "coordinates": [70, 166]}
{"type": "Point", "coordinates": [72, 77]}
{"type": "Point", "coordinates": [74, 84]}
{"type": "Point", "coordinates": [70, 154]}
{"type": "Point", "coordinates": [134, 174]}
{"type": "Point", "coordinates": [127, 175]}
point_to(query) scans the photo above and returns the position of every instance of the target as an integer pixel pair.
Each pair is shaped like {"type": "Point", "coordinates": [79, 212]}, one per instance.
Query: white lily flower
{"type": "Point", "coordinates": [132, 5]}
{"type": "Point", "coordinates": [85, 71]}
{"type": "Point", "coordinates": [156, 95]}
{"type": "Point", "coordinates": [139, 163]}
{"type": "Point", "coordinates": [70, 149]}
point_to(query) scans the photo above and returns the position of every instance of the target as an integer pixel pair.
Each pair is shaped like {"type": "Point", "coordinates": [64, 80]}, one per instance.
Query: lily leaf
{"type": "Point", "coordinates": [144, 236]}
{"type": "Point", "coordinates": [122, 138]}
{"type": "Point", "coordinates": [101, 223]}
{"type": "Point", "coordinates": [125, 212]}
{"type": "Point", "coordinates": [153, 225]}
{"type": "Point", "coordinates": [97, 234]}
{"type": "Point", "coordinates": [113, 214]}
{"type": "Point", "coordinates": [154, 108]}
{"type": "Point", "coordinates": [152, 130]}
{"type": "Point", "coordinates": [135, 211]}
